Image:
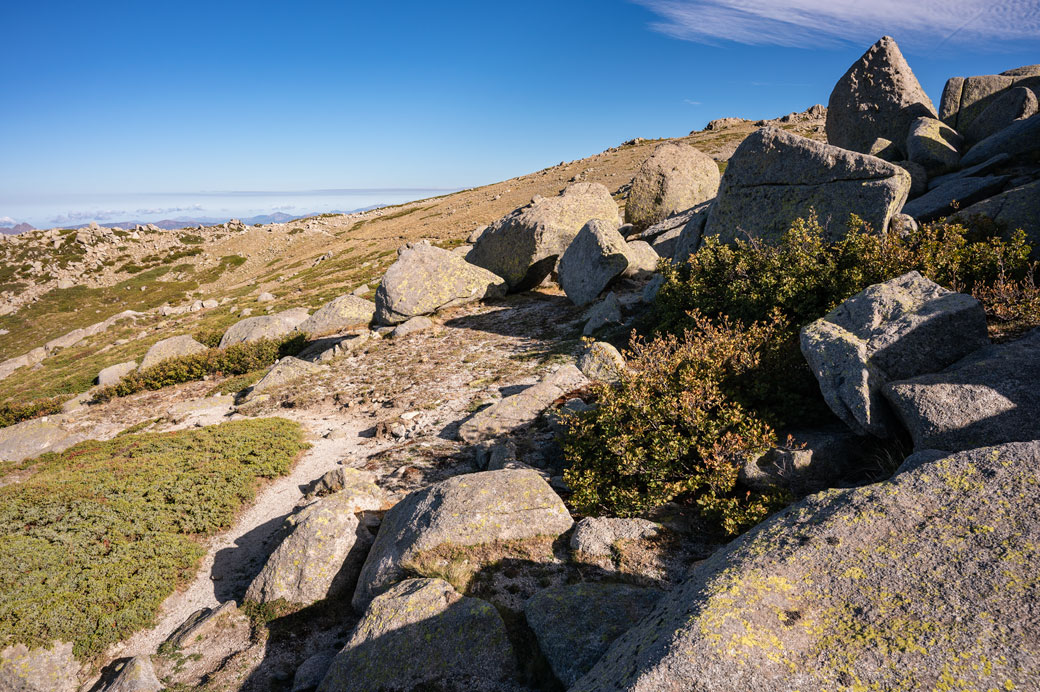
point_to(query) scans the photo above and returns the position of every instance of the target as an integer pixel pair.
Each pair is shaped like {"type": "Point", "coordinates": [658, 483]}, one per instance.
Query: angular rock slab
{"type": "Point", "coordinates": [642, 259]}
{"type": "Point", "coordinates": [342, 313]}
{"type": "Point", "coordinates": [602, 362]}
{"type": "Point", "coordinates": [465, 510]}
{"type": "Point", "coordinates": [137, 675]}
{"type": "Point", "coordinates": [943, 200]}
{"type": "Point", "coordinates": [522, 409]}
{"type": "Point", "coordinates": [776, 177]}
{"type": "Point", "coordinates": [1020, 139]}
{"type": "Point", "coordinates": [422, 635]}
{"type": "Point", "coordinates": [1013, 104]}
{"type": "Point", "coordinates": [596, 257]}
{"type": "Point", "coordinates": [934, 145]}
{"type": "Point", "coordinates": [884, 333]}
{"type": "Point", "coordinates": [286, 370]}
{"type": "Point", "coordinates": [32, 438]}
{"type": "Point", "coordinates": [274, 326]}
{"type": "Point", "coordinates": [879, 96]}
{"type": "Point", "coordinates": [113, 373]}
{"type": "Point", "coordinates": [576, 624]}
{"type": "Point", "coordinates": [675, 177]}
{"type": "Point", "coordinates": [901, 585]}
{"type": "Point", "coordinates": [172, 347]}
{"type": "Point", "coordinates": [1018, 208]}
{"type": "Point", "coordinates": [992, 396]}
{"type": "Point", "coordinates": [425, 279]}
{"type": "Point", "coordinates": [690, 237]}
{"type": "Point", "coordinates": [597, 536]}
{"type": "Point", "coordinates": [322, 557]}
{"type": "Point", "coordinates": [523, 246]}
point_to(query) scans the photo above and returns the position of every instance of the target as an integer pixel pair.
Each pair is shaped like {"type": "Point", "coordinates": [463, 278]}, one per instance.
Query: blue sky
{"type": "Point", "coordinates": [115, 97]}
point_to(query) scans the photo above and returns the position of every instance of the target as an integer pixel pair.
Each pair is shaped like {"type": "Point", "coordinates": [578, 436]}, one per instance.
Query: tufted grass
{"type": "Point", "coordinates": [99, 535]}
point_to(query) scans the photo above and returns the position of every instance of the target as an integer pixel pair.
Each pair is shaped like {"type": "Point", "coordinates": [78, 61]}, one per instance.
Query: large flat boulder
{"type": "Point", "coordinates": [32, 438]}
{"type": "Point", "coordinates": [465, 510]}
{"type": "Point", "coordinates": [596, 257]}
{"type": "Point", "coordinates": [522, 409]}
{"type": "Point", "coordinates": [286, 370]}
{"type": "Point", "coordinates": [575, 624]}
{"type": "Point", "coordinates": [966, 98]}
{"type": "Point", "coordinates": [327, 544]}
{"type": "Point", "coordinates": [901, 585]}
{"type": "Point", "coordinates": [1020, 140]}
{"type": "Point", "coordinates": [42, 669]}
{"type": "Point", "coordinates": [1018, 208]}
{"type": "Point", "coordinates": [957, 193]}
{"type": "Point", "coordinates": [675, 177]}
{"type": "Point", "coordinates": [113, 373]}
{"type": "Point", "coordinates": [889, 331]}
{"type": "Point", "coordinates": [423, 635]}
{"type": "Point", "coordinates": [523, 246]}
{"type": "Point", "coordinates": [425, 279]}
{"type": "Point", "coordinates": [991, 396]}
{"type": "Point", "coordinates": [274, 326]}
{"type": "Point", "coordinates": [173, 347]}
{"type": "Point", "coordinates": [878, 97]}
{"type": "Point", "coordinates": [776, 177]}
{"type": "Point", "coordinates": [338, 315]}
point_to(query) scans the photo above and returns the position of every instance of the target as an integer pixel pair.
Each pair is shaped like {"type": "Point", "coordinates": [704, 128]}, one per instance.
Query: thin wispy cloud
{"type": "Point", "coordinates": [692, 103]}
{"type": "Point", "coordinates": [93, 215]}
{"type": "Point", "coordinates": [169, 210]}
{"type": "Point", "coordinates": [816, 23]}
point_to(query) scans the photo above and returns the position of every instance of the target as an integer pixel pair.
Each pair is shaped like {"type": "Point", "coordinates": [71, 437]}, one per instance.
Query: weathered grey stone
{"type": "Point", "coordinates": [51, 669]}
{"type": "Point", "coordinates": [598, 536]}
{"type": "Point", "coordinates": [475, 235]}
{"type": "Point", "coordinates": [265, 297]}
{"type": "Point", "coordinates": [343, 313]}
{"type": "Point", "coordinates": [665, 244]}
{"type": "Point", "coordinates": [606, 311]}
{"type": "Point", "coordinates": [1020, 139]}
{"type": "Point", "coordinates": [172, 347]}
{"type": "Point", "coordinates": [675, 222]}
{"type": "Point", "coordinates": [642, 259]}
{"type": "Point", "coordinates": [918, 178]}
{"type": "Point", "coordinates": [202, 644]}
{"type": "Point", "coordinates": [991, 396]}
{"type": "Point", "coordinates": [464, 510]}
{"type": "Point", "coordinates": [1011, 105]}
{"type": "Point", "coordinates": [32, 438]}
{"type": "Point", "coordinates": [575, 624]}
{"type": "Point", "coordinates": [675, 177]}
{"type": "Point", "coordinates": [602, 362]}
{"type": "Point", "coordinates": [689, 239]}
{"type": "Point", "coordinates": [523, 246]}
{"type": "Point", "coordinates": [522, 409]}
{"type": "Point", "coordinates": [312, 671]}
{"type": "Point", "coordinates": [113, 373]}
{"type": "Point", "coordinates": [274, 326]}
{"type": "Point", "coordinates": [283, 372]}
{"type": "Point", "coordinates": [958, 193]}
{"type": "Point", "coordinates": [889, 331]}
{"type": "Point", "coordinates": [1018, 208]}
{"type": "Point", "coordinates": [422, 635]}
{"type": "Point", "coordinates": [597, 256]}
{"type": "Point", "coordinates": [972, 171]}
{"type": "Point", "coordinates": [776, 177]}
{"type": "Point", "coordinates": [903, 584]}
{"type": "Point", "coordinates": [965, 98]}
{"type": "Point", "coordinates": [903, 224]}
{"type": "Point", "coordinates": [933, 144]}
{"type": "Point", "coordinates": [879, 96]}
{"type": "Point", "coordinates": [886, 149]}
{"type": "Point", "coordinates": [412, 326]}
{"type": "Point", "coordinates": [816, 460]}
{"type": "Point", "coordinates": [425, 279]}
{"type": "Point", "coordinates": [137, 675]}
{"type": "Point", "coordinates": [328, 543]}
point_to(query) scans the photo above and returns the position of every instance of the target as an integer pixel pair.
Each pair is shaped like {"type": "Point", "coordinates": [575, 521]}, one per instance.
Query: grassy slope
{"type": "Point", "coordinates": [94, 541]}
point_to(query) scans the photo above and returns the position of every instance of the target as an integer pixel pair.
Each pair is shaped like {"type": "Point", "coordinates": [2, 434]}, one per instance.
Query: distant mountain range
{"type": "Point", "coordinates": [182, 222]}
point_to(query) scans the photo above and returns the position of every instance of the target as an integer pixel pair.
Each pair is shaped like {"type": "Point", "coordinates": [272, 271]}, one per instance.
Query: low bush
{"type": "Point", "coordinates": [237, 359]}
{"type": "Point", "coordinates": [721, 369]}
{"type": "Point", "coordinates": [11, 413]}
{"type": "Point", "coordinates": [99, 535]}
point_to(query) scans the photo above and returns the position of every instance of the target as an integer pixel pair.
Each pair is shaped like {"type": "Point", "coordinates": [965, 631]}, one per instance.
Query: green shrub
{"type": "Point", "coordinates": [11, 413]}
{"type": "Point", "coordinates": [674, 426]}
{"type": "Point", "coordinates": [94, 541]}
{"type": "Point", "coordinates": [237, 359]}
{"type": "Point", "coordinates": [723, 367]}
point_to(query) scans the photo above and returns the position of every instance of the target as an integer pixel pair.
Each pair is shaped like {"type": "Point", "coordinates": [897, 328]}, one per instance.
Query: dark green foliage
{"type": "Point", "coordinates": [724, 368]}
{"type": "Point", "coordinates": [237, 359]}
{"type": "Point", "coordinates": [11, 413]}
{"type": "Point", "coordinates": [94, 541]}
